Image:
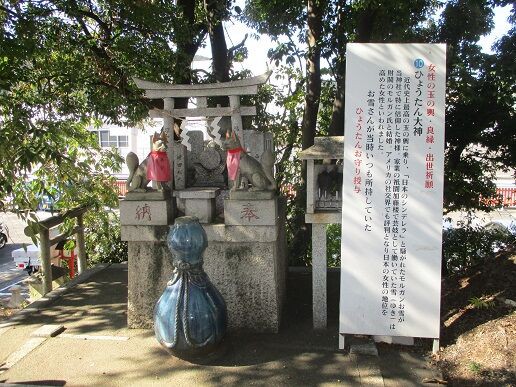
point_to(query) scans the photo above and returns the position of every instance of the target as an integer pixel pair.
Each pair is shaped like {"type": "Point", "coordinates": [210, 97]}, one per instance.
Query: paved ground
{"type": "Point", "coordinates": [98, 349]}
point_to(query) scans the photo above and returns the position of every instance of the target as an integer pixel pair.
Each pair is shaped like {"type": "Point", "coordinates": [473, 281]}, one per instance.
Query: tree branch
{"type": "Point", "coordinates": [105, 27]}
{"type": "Point", "coordinates": [236, 47]}
{"type": "Point", "coordinates": [201, 71]}
{"type": "Point", "coordinates": [12, 13]}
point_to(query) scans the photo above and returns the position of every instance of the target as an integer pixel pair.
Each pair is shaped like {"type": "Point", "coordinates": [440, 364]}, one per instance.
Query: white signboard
{"type": "Point", "coordinates": [392, 189]}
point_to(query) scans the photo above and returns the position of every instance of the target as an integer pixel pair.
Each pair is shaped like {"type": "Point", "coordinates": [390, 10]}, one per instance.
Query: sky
{"type": "Point", "coordinates": [257, 60]}
{"type": "Point", "coordinates": [502, 25]}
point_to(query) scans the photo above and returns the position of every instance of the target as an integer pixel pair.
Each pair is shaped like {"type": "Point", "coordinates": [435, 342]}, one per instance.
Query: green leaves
{"type": "Point", "coordinates": [468, 246]}
{"type": "Point", "coordinates": [64, 66]}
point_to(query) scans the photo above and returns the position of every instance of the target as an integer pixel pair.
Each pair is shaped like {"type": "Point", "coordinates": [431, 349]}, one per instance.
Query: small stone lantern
{"type": "Point", "coordinates": [323, 206]}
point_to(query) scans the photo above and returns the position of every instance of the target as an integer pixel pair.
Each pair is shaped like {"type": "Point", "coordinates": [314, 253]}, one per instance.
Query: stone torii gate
{"type": "Point", "coordinates": [246, 253]}
{"type": "Point", "coordinates": [168, 92]}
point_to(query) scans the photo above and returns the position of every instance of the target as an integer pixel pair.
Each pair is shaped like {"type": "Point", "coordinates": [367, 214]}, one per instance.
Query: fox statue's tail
{"type": "Point", "coordinates": [132, 162]}
{"type": "Point", "coordinates": [267, 160]}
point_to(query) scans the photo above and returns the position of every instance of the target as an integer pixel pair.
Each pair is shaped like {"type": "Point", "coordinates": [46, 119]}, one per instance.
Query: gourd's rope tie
{"type": "Point", "coordinates": [186, 325]}
{"type": "Point", "coordinates": [176, 320]}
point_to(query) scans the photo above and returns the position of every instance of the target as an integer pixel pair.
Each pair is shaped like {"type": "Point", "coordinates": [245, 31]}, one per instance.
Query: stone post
{"type": "Point", "coordinates": [44, 247]}
{"type": "Point", "coordinates": [319, 275]}
{"type": "Point", "coordinates": [168, 128]}
{"type": "Point", "coordinates": [81, 247]}
{"type": "Point", "coordinates": [236, 117]}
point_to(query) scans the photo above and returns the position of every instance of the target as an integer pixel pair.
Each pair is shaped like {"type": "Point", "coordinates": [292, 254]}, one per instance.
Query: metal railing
{"type": "Point", "coordinates": [505, 197]}
{"type": "Point", "coordinates": [121, 188]}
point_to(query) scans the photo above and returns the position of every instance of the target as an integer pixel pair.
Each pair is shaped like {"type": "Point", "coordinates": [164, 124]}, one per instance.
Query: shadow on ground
{"type": "Point", "coordinates": [296, 356]}
{"type": "Point", "coordinates": [98, 305]}
{"type": "Point", "coordinates": [489, 281]}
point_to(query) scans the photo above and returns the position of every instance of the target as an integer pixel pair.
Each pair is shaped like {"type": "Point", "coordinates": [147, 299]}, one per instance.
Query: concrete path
{"type": "Point", "coordinates": [96, 347]}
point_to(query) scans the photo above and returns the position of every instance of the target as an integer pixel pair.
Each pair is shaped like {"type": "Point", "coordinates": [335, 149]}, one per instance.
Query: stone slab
{"type": "Point", "coordinates": [94, 337]}
{"type": "Point", "coordinates": [202, 209]}
{"type": "Point", "coordinates": [256, 142]}
{"type": "Point", "coordinates": [224, 233]}
{"type": "Point", "coordinates": [29, 346]}
{"type": "Point", "coordinates": [368, 369]}
{"type": "Point", "coordinates": [144, 233]}
{"type": "Point", "coordinates": [196, 140]}
{"type": "Point", "coordinates": [250, 276]}
{"type": "Point", "coordinates": [148, 195]}
{"type": "Point", "coordinates": [197, 193]}
{"type": "Point", "coordinates": [324, 217]}
{"type": "Point", "coordinates": [363, 349]}
{"type": "Point", "coordinates": [215, 233]}
{"type": "Point", "coordinates": [251, 212]}
{"type": "Point", "coordinates": [146, 212]}
{"type": "Point", "coordinates": [240, 194]}
{"type": "Point", "coordinates": [48, 330]}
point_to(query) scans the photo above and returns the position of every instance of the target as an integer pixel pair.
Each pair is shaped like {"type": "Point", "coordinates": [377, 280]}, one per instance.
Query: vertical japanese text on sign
{"type": "Point", "coordinates": [394, 160]}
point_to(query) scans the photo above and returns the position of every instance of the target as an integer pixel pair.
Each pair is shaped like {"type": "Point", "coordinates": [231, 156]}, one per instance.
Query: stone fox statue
{"type": "Point", "coordinates": [240, 164]}
{"type": "Point", "coordinates": [137, 180]}
{"type": "Point", "coordinates": [154, 167]}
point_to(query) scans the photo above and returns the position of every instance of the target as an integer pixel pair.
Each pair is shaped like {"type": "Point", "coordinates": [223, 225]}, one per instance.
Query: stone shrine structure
{"type": "Point", "coordinates": [323, 206]}
{"type": "Point", "coordinates": [246, 254]}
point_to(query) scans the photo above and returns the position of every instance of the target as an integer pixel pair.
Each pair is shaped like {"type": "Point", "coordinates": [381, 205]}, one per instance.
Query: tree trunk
{"type": "Point", "coordinates": [219, 54]}
{"type": "Point", "coordinates": [187, 47]}
{"type": "Point", "coordinates": [365, 25]}
{"type": "Point", "coordinates": [313, 70]}
{"type": "Point", "coordinates": [364, 34]}
{"type": "Point", "coordinates": [186, 50]}
{"type": "Point", "coordinates": [298, 247]}
{"type": "Point", "coordinates": [337, 115]}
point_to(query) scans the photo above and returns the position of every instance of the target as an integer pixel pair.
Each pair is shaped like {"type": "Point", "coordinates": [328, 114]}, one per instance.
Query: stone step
{"type": "Point", "coordinates": [364, 355]}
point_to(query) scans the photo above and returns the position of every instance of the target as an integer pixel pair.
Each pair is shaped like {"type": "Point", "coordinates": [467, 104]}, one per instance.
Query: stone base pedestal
{"type": "Point", "coordinates": [149, 270]}
{"type": "Point", "coordinates": [199, 202]}
{"type": "Point", "coordinates": [148, 194]}
{"type": "Point", "coordinates": [251, 195]}
{"type": "Point", "coordinates": [146, 212]}
{"type": "Point", "coordinates": [251, 212]}
{"type": "Point", "coordinates": [247, 264]}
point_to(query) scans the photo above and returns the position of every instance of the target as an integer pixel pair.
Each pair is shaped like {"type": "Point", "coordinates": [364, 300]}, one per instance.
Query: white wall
{"type": "Point", "coordinates": [138, 141]}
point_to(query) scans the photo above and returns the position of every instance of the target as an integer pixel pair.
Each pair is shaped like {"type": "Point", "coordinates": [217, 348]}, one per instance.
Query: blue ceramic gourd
{"type": "Point", "coordinates": [190, 318]}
